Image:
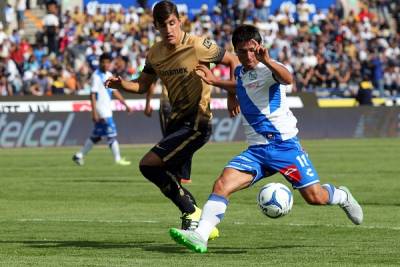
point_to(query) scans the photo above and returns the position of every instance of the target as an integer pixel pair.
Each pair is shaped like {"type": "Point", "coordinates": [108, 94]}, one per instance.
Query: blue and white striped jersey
{"type": "Point", "coordinates": [103, 94]}
{"type": "Point", "coordinates": [263, 105]}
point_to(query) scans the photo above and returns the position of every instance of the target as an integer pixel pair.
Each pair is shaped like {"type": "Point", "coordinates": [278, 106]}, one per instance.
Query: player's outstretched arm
{"type": "Point", "coordinates": [280, 72]}
{"type": "Point", "coordinates": [207, 76]}
{"type": "Point", "coordinates": [139, 86]}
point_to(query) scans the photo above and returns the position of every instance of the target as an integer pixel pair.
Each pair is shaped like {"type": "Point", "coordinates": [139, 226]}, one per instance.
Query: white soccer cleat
{"type": "Point", "coordinates": [78, 160]}
{"type": "Point", "coordinates": [353, 210]}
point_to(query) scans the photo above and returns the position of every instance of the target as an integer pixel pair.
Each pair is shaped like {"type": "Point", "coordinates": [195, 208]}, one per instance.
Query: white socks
{"type": "Point", "coordinates": [86, 148]}
{"type": "Point", "coordinates": [115, 150]}
{"type": "Point", "coordinates": [336, 195]}
{"type": "Point", "coordinates": [213, 212]}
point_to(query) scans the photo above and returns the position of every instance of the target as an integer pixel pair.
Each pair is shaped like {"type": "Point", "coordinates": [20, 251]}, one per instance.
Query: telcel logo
{"type": "Point", "coordinates": [33, 133]}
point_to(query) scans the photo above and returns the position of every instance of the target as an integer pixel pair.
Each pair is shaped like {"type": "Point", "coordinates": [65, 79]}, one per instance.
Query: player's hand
{"type": "Point", "coordinates": [128, 109]}
{"type": "Point", "coordinates": [233, 105]}
{"type": "Point", "coordinates": [260, 52]}
{"type": "Point", "coordinates": [114, 82]}
{"type": "Point", "coordinates": [148, 110]}
{"type": "Point", "coordinates": [205, 74]}
{"type": "Point", "coordinates": [95, 117]}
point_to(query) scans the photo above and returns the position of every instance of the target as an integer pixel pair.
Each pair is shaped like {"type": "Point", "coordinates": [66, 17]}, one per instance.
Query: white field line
{"type": "Point", "coordinates": [377, 227]}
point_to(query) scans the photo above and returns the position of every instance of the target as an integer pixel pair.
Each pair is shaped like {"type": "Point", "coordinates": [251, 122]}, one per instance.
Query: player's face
{"type": "Point", "coordinates": [245, 52]}
{"type": "Point", "coordinates": [170, 30]}
{"type": "Point", "coordinates": [105, 65]}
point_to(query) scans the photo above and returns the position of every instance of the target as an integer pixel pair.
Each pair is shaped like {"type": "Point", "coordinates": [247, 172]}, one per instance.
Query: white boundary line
{"type": "Point", "coordinates": [378, 227]}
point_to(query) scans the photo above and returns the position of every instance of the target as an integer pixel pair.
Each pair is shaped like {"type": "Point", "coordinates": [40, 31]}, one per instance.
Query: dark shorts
{"type": "Point", "coordinates": [177, 147]}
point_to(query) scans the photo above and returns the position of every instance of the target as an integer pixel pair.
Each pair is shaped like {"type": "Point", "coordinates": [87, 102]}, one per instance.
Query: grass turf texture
{"type": "Point", "coordinates": [54, 213]}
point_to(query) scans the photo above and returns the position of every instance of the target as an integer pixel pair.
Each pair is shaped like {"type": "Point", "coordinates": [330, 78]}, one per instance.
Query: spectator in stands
{"type": "Point", "coordinates": [353, 38]}
{"type": "Point", "coordinates": [21, 7]}
{"type": "Point", "coordinates": [13, 76]}
{"type": "Point", "coordinates": [120, 67]}
{"type": "Point", "coordinates": [51, 25]}
{"type": "Point", "coordinates": [40, 85]}
{"type": "Point", "coordinates": [364, 94]}
{"type": "Point", "coordinates": [57, 85]}
{"type": "Point", "coordinates": [377, 67]}
{"type": "Point", "coordinates": [342, 76]}
{"type": "Point", "coordinates": [392, 80]}
{"type": "Point", "coordinates": [9, 13]}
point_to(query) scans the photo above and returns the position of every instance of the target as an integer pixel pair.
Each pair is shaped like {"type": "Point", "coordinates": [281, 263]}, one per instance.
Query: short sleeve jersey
{"type": "Point", "coordinates": [264, 106]}
{"type": "Point", "coordinates": [103, 94]}
{"type": "Point", "coordinates": [189, 96]}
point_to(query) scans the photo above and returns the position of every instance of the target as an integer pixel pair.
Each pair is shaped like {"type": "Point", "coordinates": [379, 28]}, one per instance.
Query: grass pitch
{"type": "Point", "coordinates": [53, 213]}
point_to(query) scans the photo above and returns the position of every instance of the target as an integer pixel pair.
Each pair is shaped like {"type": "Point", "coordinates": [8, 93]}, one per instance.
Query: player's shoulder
{"type": "Point", "coordinates": [200, 41]}
{"type": "Point", "coordinates": [154, 50]}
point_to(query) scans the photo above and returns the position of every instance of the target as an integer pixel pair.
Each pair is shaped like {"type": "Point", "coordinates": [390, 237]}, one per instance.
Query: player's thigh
{"type": "Point", "coordinates": [232, 180]}
{"type": "Point", "coordinates": [151, 159]}
{"type": "Point", "coordinates": [179, 146]}
{"type": "Point", "coordinates": [289, 159]}
{"type": "Point", "coordinates": [184, 170]}
{"type": "Point", "coordinates": [251, 161]}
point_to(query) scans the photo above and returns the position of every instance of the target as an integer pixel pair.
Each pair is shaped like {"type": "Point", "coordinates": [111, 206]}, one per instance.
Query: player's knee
{"type": "Point", "coordinates": [220, 187]}
{"type": "Point", "coordinates": [111, 140]}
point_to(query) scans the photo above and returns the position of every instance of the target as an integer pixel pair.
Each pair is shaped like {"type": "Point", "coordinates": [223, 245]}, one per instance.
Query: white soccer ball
{"type": "Point", "coordinates": [275, 200]}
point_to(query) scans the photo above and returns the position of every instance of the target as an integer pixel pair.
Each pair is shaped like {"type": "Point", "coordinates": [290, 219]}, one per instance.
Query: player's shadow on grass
{"type": "Point", "coordinates": [79, 244]}
{"type": "Point", "coordinates": [172, 248]}
{"type": "Point", "coordinates": [128, 181]}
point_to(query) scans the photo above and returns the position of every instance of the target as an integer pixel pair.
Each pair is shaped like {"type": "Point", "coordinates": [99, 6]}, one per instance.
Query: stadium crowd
{"type": "Point", "coordinates": [331, 52]}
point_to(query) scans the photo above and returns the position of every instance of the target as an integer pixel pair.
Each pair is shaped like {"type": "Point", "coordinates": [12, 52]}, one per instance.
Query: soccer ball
{"type": "Point", "coordinates": [275, 200]}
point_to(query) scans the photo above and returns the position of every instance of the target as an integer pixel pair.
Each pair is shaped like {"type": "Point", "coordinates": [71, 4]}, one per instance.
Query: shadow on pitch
{"type": "Point", "coordinates": [111, 181]}
{"type": "Point", "coordinates": [168, 248]}
{"type": "Point", "coordinates": [79, 244]}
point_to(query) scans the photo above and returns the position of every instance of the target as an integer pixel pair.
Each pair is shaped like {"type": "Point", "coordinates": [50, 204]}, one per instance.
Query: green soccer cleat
{"type": "Point", "coordinates": [353, 210]}
{"type": "Point", "coordinates": [123, 162]}
{"type": "Point", "coordinates": [191, 221]}
{"type": "Point", "coordinates": [189, 239]}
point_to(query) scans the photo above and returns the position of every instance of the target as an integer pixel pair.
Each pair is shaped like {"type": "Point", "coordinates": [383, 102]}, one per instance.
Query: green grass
{"type": "Point", "coordinates": [53, 213]}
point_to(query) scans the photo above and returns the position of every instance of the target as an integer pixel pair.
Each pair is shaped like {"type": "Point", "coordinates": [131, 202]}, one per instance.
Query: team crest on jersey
{"type": "Point", "coordinates": [207, 43]}
{"type": "Point", "coordinates": [253, 75]}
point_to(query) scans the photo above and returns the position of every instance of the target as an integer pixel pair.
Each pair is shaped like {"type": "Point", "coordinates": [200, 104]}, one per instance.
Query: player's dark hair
{"type": "Point", "coordinates": [162, 10]}
{"type": "Point", "coordinates": [245, 33]}
{"type": "Point", "coordinates": [105, 56]}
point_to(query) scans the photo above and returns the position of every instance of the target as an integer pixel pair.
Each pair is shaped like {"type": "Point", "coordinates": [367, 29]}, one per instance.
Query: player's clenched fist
{"type": "Point", "coordinates": [114, 82]}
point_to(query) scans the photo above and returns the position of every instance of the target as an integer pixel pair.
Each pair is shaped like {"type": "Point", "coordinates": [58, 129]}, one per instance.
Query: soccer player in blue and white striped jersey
{"type": "Point", "coordinates": [271, 132]}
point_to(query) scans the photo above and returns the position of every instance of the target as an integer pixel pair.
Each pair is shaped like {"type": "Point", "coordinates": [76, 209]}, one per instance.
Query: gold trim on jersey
{"type": "Point", "coordinates": [181, 146]}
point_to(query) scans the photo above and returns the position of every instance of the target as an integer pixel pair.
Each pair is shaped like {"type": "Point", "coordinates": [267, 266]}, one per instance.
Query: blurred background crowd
{"type": "Point", "coordinates": [330, 52]}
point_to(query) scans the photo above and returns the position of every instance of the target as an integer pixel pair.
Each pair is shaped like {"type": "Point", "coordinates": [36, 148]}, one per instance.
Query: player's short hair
{"type": "Point", "coordinates": [245, 33]}
{"type": "Point", "coordinates": [105, 56]}
{"type": "Point", "coordinates": [162, 10]}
